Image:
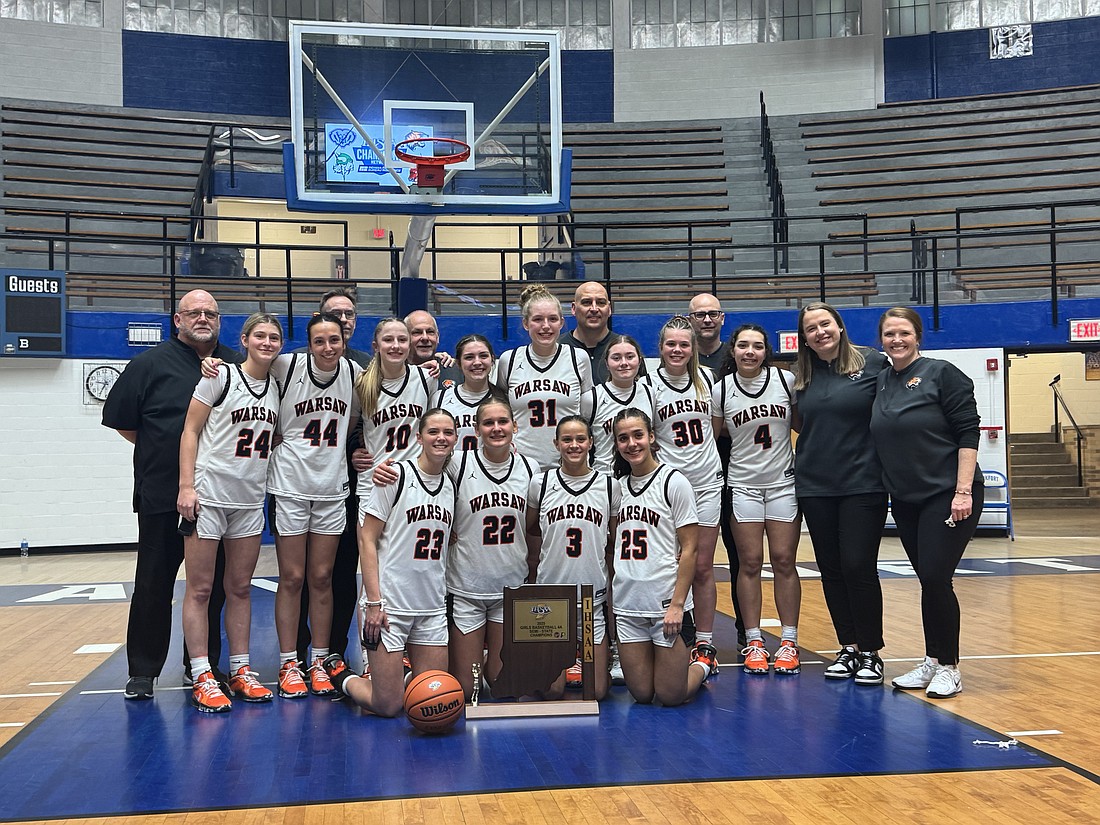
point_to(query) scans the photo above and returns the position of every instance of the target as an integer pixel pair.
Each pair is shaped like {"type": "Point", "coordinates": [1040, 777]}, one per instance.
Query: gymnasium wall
{"type": "Point", "coordinates": [251, 77]}
{"type": "Point", "coordinates": [803, 76]}
{"type": "Point", "coordinates": [69, 479]}
{"type": "Point", "coordinates": [953, 64]}
{"type": "Point", "coordinates": [74, 64]}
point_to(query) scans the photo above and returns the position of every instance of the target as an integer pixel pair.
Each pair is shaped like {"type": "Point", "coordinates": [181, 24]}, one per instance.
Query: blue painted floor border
{"type": "Point", "coordinates": [94, 754]}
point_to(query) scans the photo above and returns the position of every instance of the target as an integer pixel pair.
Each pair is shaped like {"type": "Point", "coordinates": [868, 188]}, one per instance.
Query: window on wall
{"type": "Point", "coordinates": [582, 24]}
{"type": "Point", "coordinates": [668, 23]}
{"type": "Point", "coordinates": [905, 17]}
{"type": "Point", "coordinates": [73, 12]}
{"type": "Point", "coordinates": [245, 19]}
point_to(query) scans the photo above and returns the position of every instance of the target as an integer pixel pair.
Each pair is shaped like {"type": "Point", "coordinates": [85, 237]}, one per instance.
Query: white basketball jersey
{"type": "Point", "coordinates": [490, 550]}
{"type": "Point", "coordinates": [390, 432]}
{"type": "Point", "coordinates": [574, 515]}
{"type": "Point", "coordinates": [311, 462]}
{"type": "Point", "coordinates": [541, 395]}
{"type": "Point", "coordinates": [601, 405]}
{"type": "Point", "coordinates": [231, 465]}
{"type": "Point", "coordinates": [463, 406]}
{"type": "Point", "coordinates": [685, 433]}
{"type": "Point", "coordinates": [417, 510]}
{"type": "Point", "coordinates": [757, 413]}
{"type": "Point", "coordinates": [647, 550]}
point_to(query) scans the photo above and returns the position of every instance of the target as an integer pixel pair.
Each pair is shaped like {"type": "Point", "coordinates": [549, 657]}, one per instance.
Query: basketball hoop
{"type": "Point", "coordinates": [430, 172]}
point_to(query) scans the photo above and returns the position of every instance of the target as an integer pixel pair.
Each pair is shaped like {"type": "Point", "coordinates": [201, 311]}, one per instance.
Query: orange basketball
{"type": "Point", "coordinates": [434, 701]}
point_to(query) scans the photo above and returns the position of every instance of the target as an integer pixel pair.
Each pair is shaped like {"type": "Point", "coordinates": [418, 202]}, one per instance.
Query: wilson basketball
{"type": "Point", "coordinates": [434, 701]}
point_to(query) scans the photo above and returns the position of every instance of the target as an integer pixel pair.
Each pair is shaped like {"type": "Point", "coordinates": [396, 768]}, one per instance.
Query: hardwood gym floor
{"type": "Point", "coordinates": [772, 749]}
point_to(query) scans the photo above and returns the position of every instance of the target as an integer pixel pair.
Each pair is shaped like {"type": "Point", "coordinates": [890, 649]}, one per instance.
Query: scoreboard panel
{"type": "Point", "coordinates": [32, 312]}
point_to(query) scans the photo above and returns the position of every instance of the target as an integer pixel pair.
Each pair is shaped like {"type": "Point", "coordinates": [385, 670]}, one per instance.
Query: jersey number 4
{"type": "Point", "coordinates": [635, 545]}
{"type": "Point", "coordinates": [331, 436]}
{"type": "Point", "coordinates": [763, 437]}
{"type": "Point", "coordinates": [500, 530]}
{"type": "Point", "coordinates": [429, 544]}
{"type": "Point", "coordinates": [247, 447]}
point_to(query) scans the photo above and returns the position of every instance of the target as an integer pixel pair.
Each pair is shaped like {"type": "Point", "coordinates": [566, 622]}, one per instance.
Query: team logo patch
{"type": "Point", "coordinates": [855, 376]}
{"type": "Point", "coordinates": [913, 383]}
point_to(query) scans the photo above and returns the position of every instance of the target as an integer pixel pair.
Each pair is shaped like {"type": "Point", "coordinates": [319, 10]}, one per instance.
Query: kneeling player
{"type": "Point", "coordinates": [404, 532]}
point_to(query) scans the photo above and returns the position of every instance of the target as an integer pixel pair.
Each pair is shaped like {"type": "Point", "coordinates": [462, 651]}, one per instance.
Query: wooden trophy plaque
{"type": "Point", "coordinates": [540, 641]}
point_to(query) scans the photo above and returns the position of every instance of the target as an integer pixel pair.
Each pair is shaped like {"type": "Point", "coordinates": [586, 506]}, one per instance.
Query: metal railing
{"type": "Point", "coordinates": [1060, 401]}
{"type": "Point", "coordinates": [780, 225]}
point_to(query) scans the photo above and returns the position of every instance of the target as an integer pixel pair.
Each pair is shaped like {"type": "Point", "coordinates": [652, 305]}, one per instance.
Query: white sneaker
{"type": "Point", "coordinates": [946, 683]}
{"type": "Point", "coordinates": [919, 677]}
{"type": "Point", "coordinates": [615, 668]}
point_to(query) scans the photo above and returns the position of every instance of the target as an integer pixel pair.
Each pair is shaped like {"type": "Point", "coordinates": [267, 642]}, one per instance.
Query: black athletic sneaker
{"type": "Point", "coordinates": [337, 670]}
{"type": "Point", "coordinates": [139, 687]}
{"type": "Point", "coordinates": [870, 669]}
{"type": "Point", "coordinates": [845, 665]}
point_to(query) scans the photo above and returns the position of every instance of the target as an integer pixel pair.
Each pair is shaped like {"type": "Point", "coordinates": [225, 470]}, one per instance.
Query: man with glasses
{"type": "Point", "coordinates": [706, 317]}
{"type": "Point", "coordinates": [341, 302]}
{"type": "Point", "coordinates": [148, 405]}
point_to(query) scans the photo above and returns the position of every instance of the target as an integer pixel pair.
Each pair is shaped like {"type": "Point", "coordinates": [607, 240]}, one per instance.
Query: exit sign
{"type": "Point", "coordinates": [788, 343]}
{"type": "Point", "coordinates": [1087, 329]}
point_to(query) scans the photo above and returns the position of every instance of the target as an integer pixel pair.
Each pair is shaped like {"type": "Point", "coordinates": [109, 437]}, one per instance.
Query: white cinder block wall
{"type": "Point", "coordinates": [802, 77]}
{"type": "Point", "coordinates": [65, 480]}
{"type": "Point", "coordinates": [78, 64]}
{"type": "Point", "coordinates": [1031, 402]}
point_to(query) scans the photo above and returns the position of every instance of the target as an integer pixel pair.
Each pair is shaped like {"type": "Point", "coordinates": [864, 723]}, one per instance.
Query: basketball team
{"type": "Point", "coordinates": [444, 479]}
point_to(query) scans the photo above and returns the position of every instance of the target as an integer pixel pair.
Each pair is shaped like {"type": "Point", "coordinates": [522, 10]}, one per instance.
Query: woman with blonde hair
{"type": "Point", "coordinates": [545, 379]}
{"type": "Point", "coordinates": [224, 451]}
{"type": "Point", "coordinates": [686, 440]}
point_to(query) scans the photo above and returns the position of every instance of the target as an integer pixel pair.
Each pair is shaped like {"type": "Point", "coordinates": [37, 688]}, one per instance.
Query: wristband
{"type": "Point", "coordinates": [364, 603]}
{"type": "Point", "coordinates": [962, 493]}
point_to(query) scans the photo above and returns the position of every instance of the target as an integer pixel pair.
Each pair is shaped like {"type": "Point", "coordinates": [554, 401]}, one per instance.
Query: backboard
{"type": "Point", "coordinates": [358, 89]}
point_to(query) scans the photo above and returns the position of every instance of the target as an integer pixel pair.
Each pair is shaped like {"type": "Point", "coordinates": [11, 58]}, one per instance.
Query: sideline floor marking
{"type": "Point", "coordinates": [26, 695]}
{"type": "Point", "coordinates": [1016, 733]}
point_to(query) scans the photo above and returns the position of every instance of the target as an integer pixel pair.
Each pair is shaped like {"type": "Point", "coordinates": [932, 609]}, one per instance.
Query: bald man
{"type": "Point", "coordinates": [592, 309]}
{"type": "Point", "coordinates": [424, 346]}
{"type": "Point", "coordinates": [148, 405]}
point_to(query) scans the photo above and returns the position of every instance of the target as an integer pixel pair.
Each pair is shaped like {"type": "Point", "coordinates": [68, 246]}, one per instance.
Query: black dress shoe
{"type": "Point", "coordinates": [139, 687]}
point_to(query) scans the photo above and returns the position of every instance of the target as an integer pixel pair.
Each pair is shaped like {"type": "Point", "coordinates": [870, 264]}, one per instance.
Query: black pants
{"type": "Point", "coordinates": [726, 521]}
{"type": "Point", "coordinates": [149, 631]}
{"type": "Point", "coordinates": [934, 550]}
{"type": "Point", "coordinates": [345, 589]}
{"type": "Point", "coordinates": [845, 531]}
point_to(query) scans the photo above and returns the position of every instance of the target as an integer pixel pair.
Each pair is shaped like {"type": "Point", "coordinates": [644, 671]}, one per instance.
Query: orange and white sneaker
{"type": "Point", "coordinates": [245, 685]}
{"type": "Point", "coordinates": [319, 682]}
{"type": "Point", "coordinates": [756, 657]}
{"type": "Point", "coordinates": [786, 658]}
{"type": "Point", "coordinates": [292, 683]}
{"type": "Point", "coordinates": [573, 678]}
{"type": "Point", "coordinates": [207, 696]}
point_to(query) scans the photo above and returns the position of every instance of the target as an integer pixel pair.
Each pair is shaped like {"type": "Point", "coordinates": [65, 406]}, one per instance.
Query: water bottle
{"type": "Point", "coordinates": [24, 549]}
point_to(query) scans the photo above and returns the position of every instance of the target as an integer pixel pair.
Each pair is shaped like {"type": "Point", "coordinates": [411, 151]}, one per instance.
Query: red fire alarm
{"type": "Point", "coordinates": [991, 365]}
{"type": "Point", "coordinates": [993, 432]}
{"type": "Point", "coordinates": [379, 233]}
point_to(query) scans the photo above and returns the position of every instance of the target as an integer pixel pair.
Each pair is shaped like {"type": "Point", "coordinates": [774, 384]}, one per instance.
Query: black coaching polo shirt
{"type": "Point", "coordinates": [152, 396]}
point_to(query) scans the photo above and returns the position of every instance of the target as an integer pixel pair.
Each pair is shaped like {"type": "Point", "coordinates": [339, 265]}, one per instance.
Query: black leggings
{"type": "Point", "coordinates": [845, 531]}
{"type": "Point", "coordinates": [934, 550]}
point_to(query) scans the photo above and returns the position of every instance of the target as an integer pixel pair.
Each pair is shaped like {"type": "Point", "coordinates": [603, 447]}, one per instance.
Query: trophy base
{"type": "Point", "coordinates": [528, 710]}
